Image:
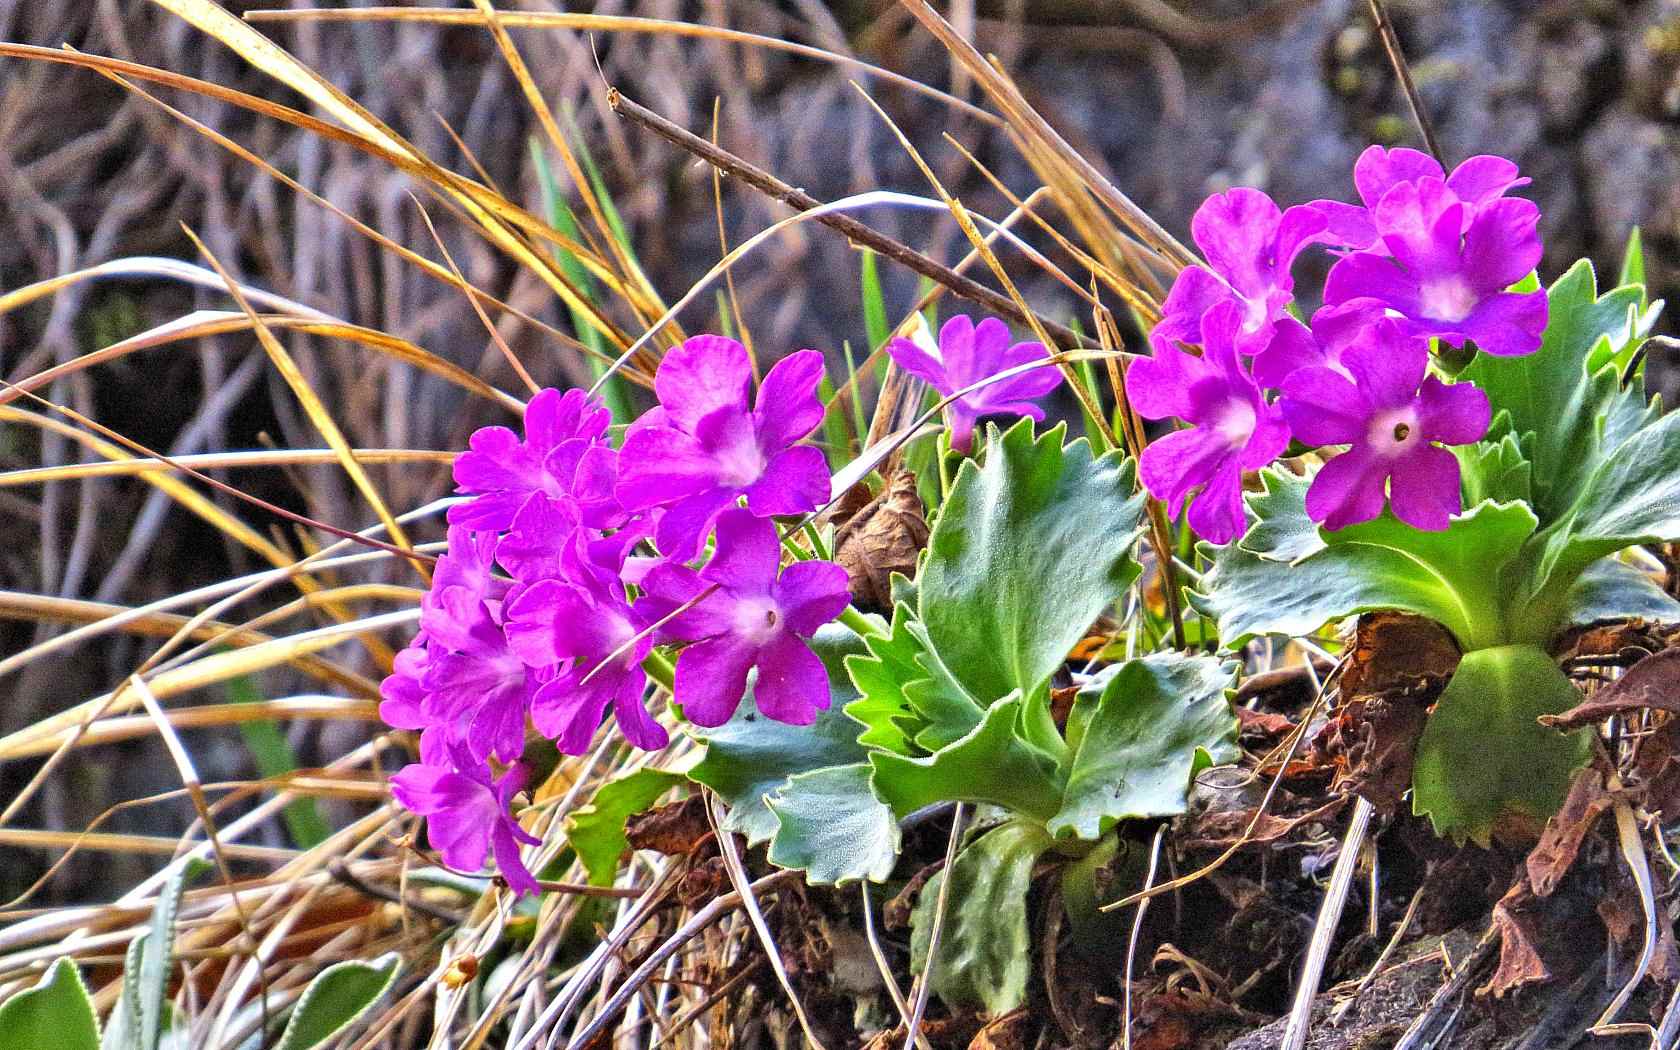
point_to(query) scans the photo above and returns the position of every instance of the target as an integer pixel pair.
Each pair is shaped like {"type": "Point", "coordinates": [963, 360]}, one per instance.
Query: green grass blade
{"type": "Point", "coordinates": [274, 757]}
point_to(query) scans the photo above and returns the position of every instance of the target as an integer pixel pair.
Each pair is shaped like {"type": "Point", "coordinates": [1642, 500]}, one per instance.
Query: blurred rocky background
{"type": "Point", "coordinates": [1177, 98]}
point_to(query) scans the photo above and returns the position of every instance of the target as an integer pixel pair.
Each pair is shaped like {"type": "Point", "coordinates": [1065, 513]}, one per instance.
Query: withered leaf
{"type": "Point", "coordinates": [1560, 843]}
{"type": "Point", "coordinates": [875, 538]}
{"type": "Point", "coordinates": [1653, 682]}
{"type": "Point", "coordinates": [1517, 919]}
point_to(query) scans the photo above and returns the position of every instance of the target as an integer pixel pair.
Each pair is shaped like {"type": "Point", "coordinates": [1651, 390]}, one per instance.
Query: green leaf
{"type": "Point", "coordinates": [833, 827]}
{"type": "Point", "coordinates": [985, 949]}
{"type": "Point", "coordinates": [1281, 530]}
{"type": "Point", "coordinates": [274, 758]}
{"type": "Point", "coordinates": [596, 832]}
{"type": "Point", "coordinates": [1453, 577]}
{"type": "Point", "coordinates": [122, 1028]}
{"type": "Point", "coordinates": [150, 958]}
{"type": "Point", "coordinates": [337, 998]}
{"type": "Point", "coordinates": [993, 764]}
{"type": "Point", "coordinates": [54, 1014]}
{"type": "Point", "coordinates": [1633, 497]}
{"type": "Point", "coordinates": [1560, 391]}
{"type": "Point", "coordinates": [1495, 470]}
{"type": "Point", "coordinates": [1139, 732]}
{"type": "Point", "coordinates": [1611, 590]}
{"type": "Point", "coordinates": [1029, 549]}
{"type": "Point", "coordinates": [874, 303]}
{"type": "Point", "coordinates": [1483, 754]}
{"type": "Point", "coordinates": [750, 756]}
{"type": "Point", "coordinates": [907, 700]}
{"type": "Point", "coordinates": [1633, 260]}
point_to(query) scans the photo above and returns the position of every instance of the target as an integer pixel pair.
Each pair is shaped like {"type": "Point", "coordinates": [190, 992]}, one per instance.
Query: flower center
{"type": "Point", "coordinates": [740, 461]}
{"type": "Point", "coordinates": [1395, 432]}
{"type": "Point", "coordinates": [758, 620]}
{"type": "Point", "coordinates": [1235, 422]}
{"type": "Point", "coordinates": [1449, 299]}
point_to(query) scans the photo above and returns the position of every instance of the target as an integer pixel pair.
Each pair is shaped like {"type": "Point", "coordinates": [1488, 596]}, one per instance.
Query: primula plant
{"type": "Point", "coordinates": [707, 641]}
{"type": "Point", "coordinates": [1441, 437]}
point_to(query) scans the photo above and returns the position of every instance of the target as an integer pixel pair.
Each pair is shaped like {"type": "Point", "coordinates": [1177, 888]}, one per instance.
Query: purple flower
{"type": "Point", "coordinates": [476, 686]}
{"type": "Point", "coordinates": [1295, 346]}
{"type": "Point", "coordinates": [969, 353]}
{"type": "Point", "coordinates": [1392, 415]}
{"type": "Point", "coordinates": [1477, 182]}
{"type": "Point", "coordinates": [561, 455]}
{"type": "Point", "coordinates": [1233, 430]}
{"type": "Point", "coordinates": [584, 625]}
{"type": "Point", "coordinates": [707, 446]}
{"type": "Point", "coordinates": [467, 817]}
{"type": "Point", "coordinates": [1250, 246]}
{"type": "Point", "coordinates": [754, 618]}
{"type": "Point", "coordinates": [1446, 278]}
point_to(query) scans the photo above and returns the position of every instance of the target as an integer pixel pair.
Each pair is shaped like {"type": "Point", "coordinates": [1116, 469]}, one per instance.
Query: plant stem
{"type": "Point", "coordinates": [859, 623]}
{"type": "Point", "coordinates": [658, 667]}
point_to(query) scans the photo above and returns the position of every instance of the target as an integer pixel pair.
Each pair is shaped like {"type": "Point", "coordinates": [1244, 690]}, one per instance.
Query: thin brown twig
{"type": "Point", "coordinates": [854, 230]}
{"type": "Point", "coordinates": [1397, 59]}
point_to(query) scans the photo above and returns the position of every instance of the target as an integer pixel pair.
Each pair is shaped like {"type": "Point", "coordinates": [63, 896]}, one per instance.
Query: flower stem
{"type": "Point", "coordinates": [658, 667]}
{"type": "Point", "coordinates": [859, 623]}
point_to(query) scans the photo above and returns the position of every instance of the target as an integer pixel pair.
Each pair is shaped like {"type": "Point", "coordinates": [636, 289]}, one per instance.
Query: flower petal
{"type": "Point", "coordinates": [1236, 231]}
{"type": "Point", "coordinates": [683, 530]}
{"type": "Point", "coordinates": [1508, 324]}
{"type": "Point", "coordinates": [1387, 364]}
{"type": "Point", "coordinates": [712, 678]}
{"type": "Point", "coordinates": [792, 684]}
{"type": "Point", "coordinates": [747, 556]}
{"type": "Point", "coordinates": [810, 594]}
{"type": "Point", "coordinates": [660, 466]}
{"type": "Point", "coordinates": [1502, 244]}
{"type": "Point", "coordinates": [1379, 170]}
{"type": "Point", "coordinates": [794, 481]}
{"type": "Point", "coordinates": [1424, 491]}
{"type": "Point", "coordinates": [1347, 490]}
{"type": "Point", "coordinates": [704, 374]}
{"type": "Point", "coordinates": [1322, 407]}
{"type": "Point", "coordinates": [1216, 513]}
{"type": "Point", "coordinates": [921, 364]}
{"type": "Point", "coordinates": [1366, 275]}
{"type": "Point", "coordinates": [1484, 178]}
{"type": "Point", "coordinates": [1453, 414]}
{"type": "Point", "coordinates": [787, 407]}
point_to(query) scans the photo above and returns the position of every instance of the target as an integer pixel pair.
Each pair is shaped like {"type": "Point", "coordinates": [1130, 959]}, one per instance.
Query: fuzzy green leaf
{"type": "Point", "coordinates": [1452, 576]}
{"type": "Point", "coordinates": [1029, 549]}
{"type": "Point", "coordinates": [1611, 590]}
{"type": "Point", "coordinates": [1560, 391]}
{"type": "Point", "coordinates": [1139, 732]}
{"type": "Point", "coordinates": [751, 756]}
{"type": "Point", "coordinates": [985, 949]}
{"type": "Point", "coordinates": [54, 1014]}
{"type": "Point", "coordinates": [1495, 470]}
{"type": "Point", "coordinates": [1483, 752]}
{"type": "Point", "coordinates": [908, 701]}
{"type": "Point", "coordinates": [596, 832]}
{"type": "Point", "coordinates": [337, 998]}
{"type": "Point", "coordinates": [993, 763]}
{"type": "Point", "coordinates": [1281, 530]}
{"type": "Point", "coordinates": [833, 827]}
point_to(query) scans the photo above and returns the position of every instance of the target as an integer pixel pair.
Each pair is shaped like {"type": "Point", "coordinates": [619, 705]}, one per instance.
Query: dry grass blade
{"type": "Point", "coordinates": [204, 323]}
{"type": "Point", "coordinates": [1027, 122]}
{"type": "Point", "coordinates": [210, 670]}
{"type": "Point", "coordinates": [617, 24]}
{"type": "Point", "coordinates": [755, 915]}
{"type": "Point", "coordinates": [115, 730]}
{"type": "Point", "coordinates": [298, 457]}
{"type": "Point", "coordinates": [854, 230]}
{"type": "Point", "coordinates": [1324, 930]}
{"type": "Point", "coordinates": [314, 408]}
{"type": "Point", "coordinates": [151, 267]}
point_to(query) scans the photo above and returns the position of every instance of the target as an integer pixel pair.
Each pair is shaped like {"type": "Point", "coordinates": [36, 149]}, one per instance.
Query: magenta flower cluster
{"type": "Point", "coordinates": [1426, 256]}
{"type": "Point", "coordinates": [542, 612]}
